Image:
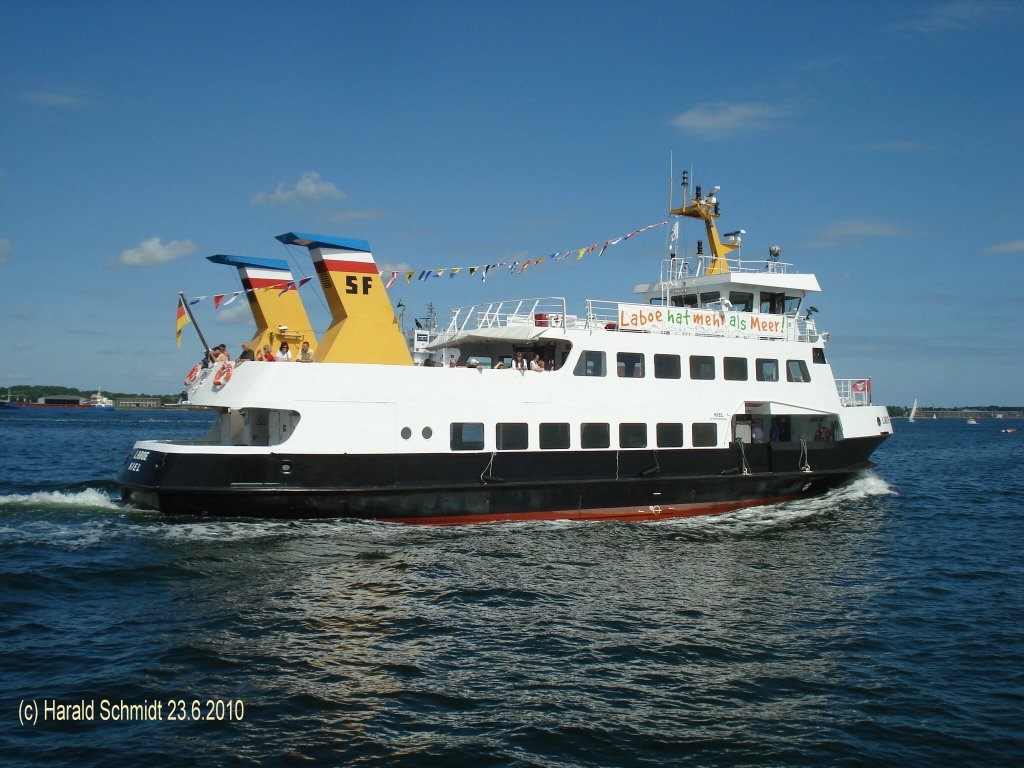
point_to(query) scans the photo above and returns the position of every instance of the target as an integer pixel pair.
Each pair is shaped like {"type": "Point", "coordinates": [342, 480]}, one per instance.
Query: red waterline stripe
{"type": "Point", "coordinates": [609, 513]}
{"type": "Point", "coordinates": [334, 265]}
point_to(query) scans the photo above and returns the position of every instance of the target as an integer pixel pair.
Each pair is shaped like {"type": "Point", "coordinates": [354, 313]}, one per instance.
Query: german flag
{"type": "Point", "coordinates": [182, 319]}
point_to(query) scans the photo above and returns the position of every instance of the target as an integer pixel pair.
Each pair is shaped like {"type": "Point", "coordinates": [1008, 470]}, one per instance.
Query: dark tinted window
{"type": "Point", "coordinates": [511, 437]}
{"type": "Point", "coordinates": [667, 367]}
{"type": "Point", "coordinates": [767, 370]}
{"type": "Point", "coordinates": [705, 435]}
{"type": "Point", "coordinates": [594, 436]}
{"type": "Point", "coordinates": [741, 301]}
{"type": "Point", "coordinates": [590, 364]}
{"type": "Point", "coordinates": [467, 436]}
{"type": "Point", "coordinates": [735, 368]}
{"type": "Point", "coordinates": [630, 365]}
{"type": "Point", "coordinates": [554, 436]}
{"type": "Point", "coordinates": [818, 355]}
{"type": "Point", "coordinates": [670, 435]}
{"type": "Point", "coordinates": [702, 367]}
{"type": "Point", "coordinates": [632, 435]}
{"type": "Point", "coordinates": [796, 370]}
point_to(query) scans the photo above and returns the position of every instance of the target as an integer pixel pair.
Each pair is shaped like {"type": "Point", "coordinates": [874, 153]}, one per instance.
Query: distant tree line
{"type": "Point", "coordinates": [31, 393]}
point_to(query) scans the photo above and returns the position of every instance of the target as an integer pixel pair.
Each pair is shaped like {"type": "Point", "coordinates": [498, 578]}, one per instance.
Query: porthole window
{"type": "Point", "coordinates": [427, 433]}
{"type": "Point", "coordinates": [406, 433]}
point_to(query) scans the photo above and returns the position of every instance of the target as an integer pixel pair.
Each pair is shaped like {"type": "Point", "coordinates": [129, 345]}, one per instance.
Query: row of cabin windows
{"type": "Point", "coordinates": [631, 365]}
{"type": "Point", "coordinates": [741, 301]}
{"type": "Point", "coordinates": [469, 436]}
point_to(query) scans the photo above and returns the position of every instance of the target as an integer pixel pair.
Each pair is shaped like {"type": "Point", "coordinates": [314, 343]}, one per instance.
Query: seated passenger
{"type": "Point", "coordinates": [305, 353]}
{"type": "Point", "coordinates": [247, 353]}
{"type": "Point", "coordinates": [284, 353]}
{"type": "Point", "coordinates": [536, 364]}
{"type": "Point", "coordinates": [519, 362]}
{"type": "Point", "coordinates": [267, 356]}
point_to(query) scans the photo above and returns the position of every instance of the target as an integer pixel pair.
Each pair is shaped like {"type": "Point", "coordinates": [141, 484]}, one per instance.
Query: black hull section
{"type": "Point", "coordinates": [475, 487]}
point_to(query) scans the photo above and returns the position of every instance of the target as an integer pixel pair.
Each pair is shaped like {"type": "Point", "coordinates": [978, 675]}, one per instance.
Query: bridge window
{"type": "Point", "coordinates": [667, 367]}
{"type": "Point", "coordinates": [741, 301]}
{"type": "Point", "coordinates": [630, 365]}
{"type": "Point", "coordinates": [710, 298]}
{"type": "Point", "coordinates": [702, 367]}
{"type": "Point", "coordinates": [796, 370]}
{"type": "Point", "coordinates": [735, 368]}
{"type": "Point", "coordinates": [594, 436]}
{"type": "Point", "coordinates": [511, 437]}
{"type": "Point", "coordinates": [704, 435]}
{"type": "Point", "coordinates": [818, 355]}
{"type": "Point", "coordinates": [590, 364]}
{"type": "Point", "coordinates": [670, 435]}
{"type": "Point", "coordinates": [466, 436]}
{"type": "Point", "coordinates": [554, 436]}
{"type": "Point", "coordinates": [632, 435]}
{"type": "Point", "coordinates": [767, 370]}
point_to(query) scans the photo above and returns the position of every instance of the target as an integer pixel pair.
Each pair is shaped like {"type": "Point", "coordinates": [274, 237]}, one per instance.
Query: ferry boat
{"type": "Point", "coordinates": [709, 392]}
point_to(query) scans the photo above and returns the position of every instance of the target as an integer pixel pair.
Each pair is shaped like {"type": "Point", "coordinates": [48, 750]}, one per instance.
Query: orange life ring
{"type": "Point", "coordinates": [192, 375]}
{"type": "Point", "coordinates": [223, 375]}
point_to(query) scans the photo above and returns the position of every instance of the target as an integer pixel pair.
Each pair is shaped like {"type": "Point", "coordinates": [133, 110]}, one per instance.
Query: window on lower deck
{"type": "Point", "coordinates": [512, 437]}
{"type": "Point", "coordinates": [704, 435]}
{"type": "Point", "coordinates": [590, 364]}
{"type": "Point", "coordinates": [630, 365]}
{"type": "Point", "coordinates": [632, 435]}
{"type": "Point", "coordinates": [796, 370]}
{"type": "Point", "coordinates": [594, 436]}
{"type": "Point", "coordinates": [670, 435]}
{"type": "Point", "coordinates": [467, 436]}
{"type": "Point", "coordinates": [554, 436]}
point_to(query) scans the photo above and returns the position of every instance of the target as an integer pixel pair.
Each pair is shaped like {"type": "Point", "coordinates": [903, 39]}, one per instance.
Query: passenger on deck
{"type": "Point", "coordinates": [305, 353]}
{"type": "Point", "coordinates": [220, 353]}
{"type": "Point", "coordinates": [267, 356]}
{"type": "Point", "coordinates": [758, 433]}
{"type": "Point", "coordinates": [498, 365]}
{"type": "Point", "coordinates": [536, 364]}
{"type": "Point", "coordinates": [519, 362]}
{"type": "Point", "coordinates": [247, 353]}
{"type": "Point", "coordinates": [283, 352]}
{"type": "Point", "coordinates": [471, 363]}
{"type": "Point", "coordinates": [451, 362]}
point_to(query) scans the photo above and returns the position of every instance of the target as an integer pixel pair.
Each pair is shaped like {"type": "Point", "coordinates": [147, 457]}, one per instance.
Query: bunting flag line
{"type": "Point", "coordinates": [483, 270]}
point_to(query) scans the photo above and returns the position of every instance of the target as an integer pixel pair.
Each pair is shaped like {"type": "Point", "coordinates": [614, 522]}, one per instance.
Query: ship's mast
{"type": "Point", "coordinates": [707, 210]}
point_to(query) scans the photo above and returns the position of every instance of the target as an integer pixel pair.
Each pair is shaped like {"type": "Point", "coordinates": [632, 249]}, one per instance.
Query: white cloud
{"type": "Point", "coordinates": [959, 16]}
{"type": "Point", "coordinates": [400, 268]}
{"type": "Point", "coordinates": [57, 100]}
{"type": "Point", "coordinates": [723, 118]}
{"type": "Point", "coordinates": [237, 312]}
{"type": "Point", "coordinates": [308, 189]}
{"type": "Point", "coordinates": [852, 232]}
{"type": "Point", "coordinates": [5, 250]}
{"type": "Point", "coordinates": [152, 251]}
{"type": "Point", "coordinates": [1014, 246]}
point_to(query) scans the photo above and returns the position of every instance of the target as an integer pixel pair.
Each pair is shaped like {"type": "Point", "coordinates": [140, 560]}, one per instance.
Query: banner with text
{"type": "Point", "coordinates": [646, 317]}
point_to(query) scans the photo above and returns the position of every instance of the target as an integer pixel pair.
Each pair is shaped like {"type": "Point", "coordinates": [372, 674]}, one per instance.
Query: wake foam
{"type": "Point", "coordinates": [87, 498]}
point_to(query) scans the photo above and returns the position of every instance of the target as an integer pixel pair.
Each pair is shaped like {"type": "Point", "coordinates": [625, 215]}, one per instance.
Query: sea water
{"type": "Point", "coordinates": [882, 624]}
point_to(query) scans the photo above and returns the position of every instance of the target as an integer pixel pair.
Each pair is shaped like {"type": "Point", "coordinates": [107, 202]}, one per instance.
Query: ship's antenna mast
{"type": "Point", "coordinates": [671, 175]}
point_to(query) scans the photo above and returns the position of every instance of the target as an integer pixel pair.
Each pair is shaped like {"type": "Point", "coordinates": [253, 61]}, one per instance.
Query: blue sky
{"type": "Point", "coordinates": [880, 144]}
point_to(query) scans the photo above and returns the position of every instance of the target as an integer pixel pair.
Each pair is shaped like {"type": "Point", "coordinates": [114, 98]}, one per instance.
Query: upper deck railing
{"type": "Point", "coordinates": [682, 268]}
{"type": "Point", "coordinates": [854, 391]}
{"type": "Point", "coordinates": [601, 315]}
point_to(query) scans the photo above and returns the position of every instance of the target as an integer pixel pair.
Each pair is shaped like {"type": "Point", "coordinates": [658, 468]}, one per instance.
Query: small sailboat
{"type": "Point", "coordinates": [913, 411]}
